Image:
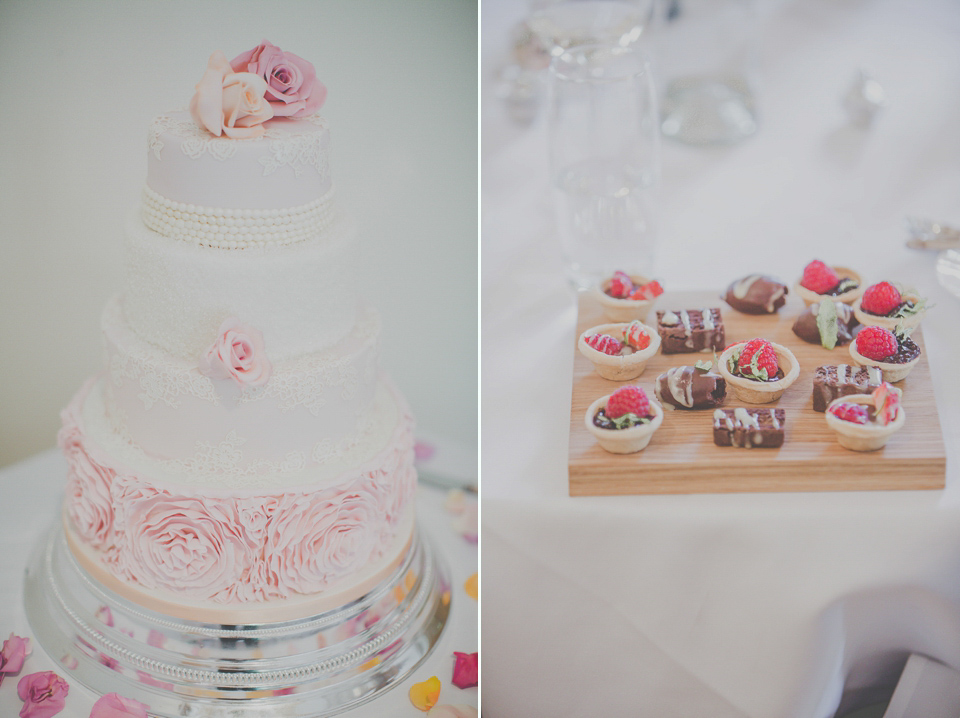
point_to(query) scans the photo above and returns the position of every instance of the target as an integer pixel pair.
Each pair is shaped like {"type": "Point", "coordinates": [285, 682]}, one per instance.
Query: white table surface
{"type": "Point", "coordinates": [31, 491]}
{"type": "Point", "coordinates": [743, 605]}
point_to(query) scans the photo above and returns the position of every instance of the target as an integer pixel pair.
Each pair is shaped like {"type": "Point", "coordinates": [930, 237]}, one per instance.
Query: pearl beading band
{"type": "Point", "coordinates": [236, 228]}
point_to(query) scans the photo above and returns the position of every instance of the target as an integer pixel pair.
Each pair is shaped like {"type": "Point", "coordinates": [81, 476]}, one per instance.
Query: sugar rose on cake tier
{"type": "Point", "coordinates": [624, 422]}
{"type": "Point", "coordinates": [821, 280]}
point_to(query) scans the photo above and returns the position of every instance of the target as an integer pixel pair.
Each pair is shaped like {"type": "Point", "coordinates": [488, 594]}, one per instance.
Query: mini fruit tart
{"type": "Point", "coordinates": [888, 305]}
{"type": "Point", "coordinates": [619, 351]}
{"type": "Point", "coordinates": [864, 422]}
{"type": "Point", "coordinates": [758, 371]}
{"type": "Point", "coordinates": [819, 281]}
{"type": "Point", "coordinates": [893, 352]}
{"type": "Point", "coordinates": [625, 297]}
{"type": "Point", "coordinates": [623, 422]}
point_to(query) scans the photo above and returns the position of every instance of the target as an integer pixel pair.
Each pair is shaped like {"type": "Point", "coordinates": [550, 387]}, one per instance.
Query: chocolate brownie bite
{"type": "Point", "coordinates": [690, 387]}
{"type": "Point", "coordinates": [827, 322]}
{"type": "Point", "coordinates": [833, 381]}
{"type": "Point", "coordinates": [690, 330]}
{"type": "Point", "coordinates": [756, 294]}
{"type": "Point", "coordinates": [749, 428]}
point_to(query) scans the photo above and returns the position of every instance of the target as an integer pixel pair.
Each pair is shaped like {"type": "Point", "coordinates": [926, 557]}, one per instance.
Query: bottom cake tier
{"type": "Point", "coordinates": [233, 550]}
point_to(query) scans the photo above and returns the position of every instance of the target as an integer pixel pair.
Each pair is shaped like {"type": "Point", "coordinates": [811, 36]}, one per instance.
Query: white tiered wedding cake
{"type": "Point", "coordinates": [241, 458]}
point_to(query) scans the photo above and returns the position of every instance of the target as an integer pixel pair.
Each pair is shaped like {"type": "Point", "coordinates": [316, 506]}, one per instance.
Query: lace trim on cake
{"type": "Point", "coordinates": [288, 148]}
{"type": "Point", "coordinates": [160, 382]}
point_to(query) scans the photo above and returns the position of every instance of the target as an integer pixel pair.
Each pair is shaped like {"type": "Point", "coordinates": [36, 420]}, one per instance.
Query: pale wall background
{"type": "Point", "coordinates": [79, 83]}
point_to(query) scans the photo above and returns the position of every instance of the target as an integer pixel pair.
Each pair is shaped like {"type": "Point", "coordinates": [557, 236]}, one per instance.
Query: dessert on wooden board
{"type": "Point", "coordinates": [619, 351]}
{"type": "Point", "coordinates": [625, 297]}
{"type": "Point", "coordinates": [821, 280]}
{"type": "Point", "coordinates": [623, 422]}
{"type": "Point", "coordinates": [690, 387]}
{"type": "Point", "coordinates": [835, 381]}
{"type": "Point", "coordinates": [749, 428]}
{"type": "Point", "coordinates": [889, 305]}
{"type": "Point", "coordinates": [827, 322]}
{"type": "Point", "coordinates": [865, 422]}
{"type": "Point", "coordinates": [756, 294]}
{"type": "Point", "coordinates": [685, 331]}
{"type": "Point", "coordinates": [758, 371]}
{"type": "Point", "coordinates": [894, 352]}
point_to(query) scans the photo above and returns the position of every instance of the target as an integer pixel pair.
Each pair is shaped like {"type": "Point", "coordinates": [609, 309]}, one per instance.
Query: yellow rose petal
{"type": "Point", "coordinates": [424, 695]}
{"type": "Point", "coordinates": [445, 598]}
{"type": "Point", "coordinates": [472, 586]}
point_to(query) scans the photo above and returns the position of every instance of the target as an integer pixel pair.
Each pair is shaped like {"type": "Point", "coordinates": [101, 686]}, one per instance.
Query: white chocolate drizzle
{"type": "Point", "coordinates": [741, 288]}
{"type": "Point", "coordinates": [685, 320]}
{"type": "Point", "coordinates": [708, 319]}
{"type": "Point", "coordinates": [669, 319]}
{"type": "Point", "coordinates": [745, 418]}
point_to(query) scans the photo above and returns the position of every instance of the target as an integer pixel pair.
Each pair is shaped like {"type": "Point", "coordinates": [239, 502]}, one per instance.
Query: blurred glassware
{"type": "Point", "coordinates": [706, 52]}
{"type": "Point", "coordinates": [948, 271]}
{"type": "Point", "coordinates": [520, 81]}
{"type": "Point", "coordinates": [561, 24]}
{"type": "Point", "coordinates": [863, 100]}
{"type": "Point", "coordinates": [604, 139]}
{"type": "Point", "coordinates": [928, 234]}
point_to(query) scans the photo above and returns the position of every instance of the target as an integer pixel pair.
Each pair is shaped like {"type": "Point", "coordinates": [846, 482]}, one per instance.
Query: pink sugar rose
{"type": "Point", "coordinates": [237, 354]}
{"type": "Point", "coordinates": [292, 86]}
{"type": "Point", "coordinates": [88, 484]}
{"type": "Point", "coordinates": [315, 539]}
{"type": "Point", "coordinates": [12, 655]}
{"type": "Point", "coordinates": [113, 705]}
{"type": "Point", "coordinates": [230, 103]}
{"type": "Point", "coordinates": [43, 694]}
{"type": "Point", "coordinates": [181, 543]}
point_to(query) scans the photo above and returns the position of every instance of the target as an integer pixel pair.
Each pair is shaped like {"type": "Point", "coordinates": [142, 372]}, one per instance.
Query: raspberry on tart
{"type": "Point", "coordinates": [821, 280]}
{"type": "Point", "coordinates": [619, 352]}
{"type": "Point", "coordinates": [889, 305]}
{"type": "Point", "coordinates": [623, 422]}
{"type": "Point", "coordinates": [864, 422]}
{"type": "Point", "coordinates": [758, 371]}
{"type": "Point", "coordinates": [625, 297]}
{"type": "Point", "coordinates": [894, 352]}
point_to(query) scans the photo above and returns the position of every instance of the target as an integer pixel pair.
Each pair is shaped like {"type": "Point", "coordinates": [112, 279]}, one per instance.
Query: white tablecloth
{"type": "Point", "coordinates": [746, 605]}
{"type": "Point", "coordinates": [32, 491]}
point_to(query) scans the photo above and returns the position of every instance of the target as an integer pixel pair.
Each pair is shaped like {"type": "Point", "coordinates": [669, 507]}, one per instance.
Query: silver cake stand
{"type": "Point", "coordinates": [316, 666]}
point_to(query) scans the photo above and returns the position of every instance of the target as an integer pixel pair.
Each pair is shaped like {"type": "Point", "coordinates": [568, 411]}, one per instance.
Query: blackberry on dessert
{"type": "Point", "coordinates": [828, 323]}
{"type": "Point", "coordinates": [835, 381]}
{"type": "Point", "coordinates": [749, 428]}
{"type": "Point", "coordinates": [756, 294]}
{"type": "Point", "coordinates": [690, 387]}
{"type": "Point", "coordinates": [690, 330]}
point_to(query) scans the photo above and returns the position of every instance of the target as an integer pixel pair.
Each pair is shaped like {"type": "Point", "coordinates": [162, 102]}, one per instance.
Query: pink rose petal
{"type": "Point", "coordinates": [113, 705]}
{"type": "Point", "coordinates": [423, 451]}
{"type": "Point", "coordinates": [43, 694]}
{"type": "Point", "coordinates": [465, 669]}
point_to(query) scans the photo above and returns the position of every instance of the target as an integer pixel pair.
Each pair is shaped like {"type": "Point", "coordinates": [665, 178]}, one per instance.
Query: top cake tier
{"type": "Point", "coordinates": [271, 190]}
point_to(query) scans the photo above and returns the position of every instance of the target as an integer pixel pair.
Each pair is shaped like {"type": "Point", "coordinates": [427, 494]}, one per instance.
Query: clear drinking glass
{"type": "Point", "coordinates": [562, 24]}
{"type": "Point", "coordinates": [605, 160]}
{"type": "Point", "coordinates": [706, 53]}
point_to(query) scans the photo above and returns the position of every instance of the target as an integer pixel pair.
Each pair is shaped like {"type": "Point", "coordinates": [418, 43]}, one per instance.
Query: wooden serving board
{"type": "Point", "coordinates": [682, 458]}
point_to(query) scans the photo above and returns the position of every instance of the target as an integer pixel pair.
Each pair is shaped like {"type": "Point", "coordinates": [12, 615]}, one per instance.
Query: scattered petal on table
{"type": "Point", "coordinates": [465, 669]}
{"type": "Point", "coordinates": [448, 711]}
{"type": "Point", "coordinates": [113, 705]}
{"type": "Point", "coordinates": [43, 694]}
{"type": "Point", "coordinates": [104, 615]}
{"type": "Point", "coordinates": [472, 586]}
{"type": "Point", "coordinates": [424, 695]}
{"type": "Point", "coordinates": [456, 501]}
{"type": "Point", "coordinates": [466, 523]}
{"type": "Point", "coordinates": [14, 652]}
{"type": "Point", "coordinates": [423, 451]}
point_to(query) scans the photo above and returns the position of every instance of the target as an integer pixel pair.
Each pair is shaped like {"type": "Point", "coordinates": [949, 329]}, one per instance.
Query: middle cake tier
{"type": "Point", "coordinates": [317, 410]}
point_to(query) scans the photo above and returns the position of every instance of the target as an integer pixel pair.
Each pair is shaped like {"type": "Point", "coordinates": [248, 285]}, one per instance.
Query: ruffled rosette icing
{"type": "Point", "coordinates": [234, 547]}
